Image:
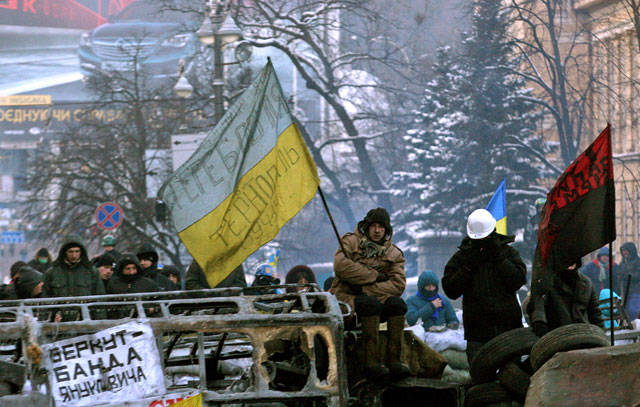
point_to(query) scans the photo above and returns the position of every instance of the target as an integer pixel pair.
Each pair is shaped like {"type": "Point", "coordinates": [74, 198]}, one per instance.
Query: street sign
{"type": "Point", "coordinates": [8, 236]}
{"type": "Point", "coordinates": [109, 216]}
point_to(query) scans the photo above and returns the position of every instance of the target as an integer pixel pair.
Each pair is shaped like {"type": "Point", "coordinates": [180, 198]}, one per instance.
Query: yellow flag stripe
{"type": "Point", "coordinates": [195, 401]}
{"type": "Point", "coordinates": [264, 199]}
{"type": "Point", "coordinates": [501, 226]}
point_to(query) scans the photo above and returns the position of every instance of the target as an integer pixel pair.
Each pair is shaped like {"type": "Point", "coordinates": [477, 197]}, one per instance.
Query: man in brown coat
{"type": "Point", "coordinates": [370, 278]}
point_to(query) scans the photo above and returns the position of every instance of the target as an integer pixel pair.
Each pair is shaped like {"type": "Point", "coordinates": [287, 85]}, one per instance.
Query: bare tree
{"type": "Point", "coordinates": [555, 51]}
{"type": "Point", "coordinates": [308, 33]}
{"type": "Point", "coordinates": [117, 152]}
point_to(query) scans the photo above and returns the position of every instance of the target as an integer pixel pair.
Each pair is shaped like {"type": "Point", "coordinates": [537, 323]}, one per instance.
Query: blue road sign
{"type": "Point", "coordinates": [109, 216]}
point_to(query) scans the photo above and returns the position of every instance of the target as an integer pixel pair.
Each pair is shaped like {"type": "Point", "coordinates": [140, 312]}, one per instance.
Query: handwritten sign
{"type": "Point", "coordinates": [118, 364]}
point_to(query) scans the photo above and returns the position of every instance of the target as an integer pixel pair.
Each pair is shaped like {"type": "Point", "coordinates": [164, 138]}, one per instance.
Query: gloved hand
{"type": "Point", "coordinates": [540, 328]}
{"type": "Point", "coordinates": [382, 277]}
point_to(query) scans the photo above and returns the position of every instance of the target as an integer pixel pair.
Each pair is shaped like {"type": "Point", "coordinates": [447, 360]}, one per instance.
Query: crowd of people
{"type": "Point", "coordinates": [486, 271]}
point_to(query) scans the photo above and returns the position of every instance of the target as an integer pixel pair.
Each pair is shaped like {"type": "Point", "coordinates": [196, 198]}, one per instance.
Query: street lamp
{"type": "Point", "coordinates": [217, 32]}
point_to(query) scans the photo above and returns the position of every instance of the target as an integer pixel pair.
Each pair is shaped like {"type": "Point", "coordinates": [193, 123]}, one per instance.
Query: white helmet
{"type": "Point", "coordinates": [480, 224]}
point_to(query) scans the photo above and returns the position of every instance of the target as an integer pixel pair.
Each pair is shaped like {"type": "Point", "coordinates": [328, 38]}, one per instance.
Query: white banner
{"type": "Point", "coordinates": [118, 364]}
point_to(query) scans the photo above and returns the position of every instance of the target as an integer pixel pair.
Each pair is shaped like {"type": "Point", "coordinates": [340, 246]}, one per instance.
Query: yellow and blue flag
{"type": "Point", "coordinates": [498, 207]}
{"type": "Point", "coordinates": [273, 259]}
{"type": "Point", "coordinates": [249, 176]}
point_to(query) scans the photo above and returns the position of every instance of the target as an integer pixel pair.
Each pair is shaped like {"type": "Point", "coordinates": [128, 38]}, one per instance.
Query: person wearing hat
{"type": "Point", "coordinates": [72, 274]}
{"type": "Point", "coordinates": [370, 277]}
{"type": "Point", "coordinates": [571, 299]}
{"type": "Point", "coordinates": [41, 261]}
{"type": "Point", "coordinates": [128, 277]}
{"type": "Point", "coordinates": [148, 257]}
{"type": "Point", "coordinates": [109, 246]}
{"type": "Point", "coordinates": [173, 273]}
{"type": "Point", "coordinates": [28, 283]}
{"type": "Point", "coordinates": [598, 271]}
{"type": "Point", "coordinates": [104, 264]}
{"type": "Point", "coordinates": [265, 276]}
{"type": "Point", "coordinates": [487, 272]}
{"type": "Point", "coordinates": [299, 274]}
{"type": "Point", "coordinates": [435, 311]}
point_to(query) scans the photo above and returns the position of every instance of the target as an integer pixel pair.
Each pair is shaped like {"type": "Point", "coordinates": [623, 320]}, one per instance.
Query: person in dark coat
{"type": "Point", "coordinates": [571, 299]}
{"type": "Point", "coordinates": [28, 283]}
{"type": "Point", "coordinates": [173, 273]}
{"type": "Point", "coordinates": [129, 279]}
{"type": "Point", "coordinates": [196, 279]}
{"type": "Point", "coordinates": [72, 274]}
{"type": "Point", "coordinates": [148, 257]}
{"type": "Point", "coordinates": [630, 268]}
{"type": "Point", "coordinates": [41, 261]}
{"type": "Point", "coordinates": [435, 311]}
{"type": "Point", "coordinates": [105, 264]}
{"type": "Point", "coordinates": [487, 273]}
{"type": "Point", "coordinates": [598, 271]}
{"type": "Point", "coordinates": [8, 291]}
{"type": "Point", "coordinates": [299, 274]}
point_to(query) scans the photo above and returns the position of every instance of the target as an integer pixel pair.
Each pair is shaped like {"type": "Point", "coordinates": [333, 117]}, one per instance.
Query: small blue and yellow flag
{"type": "Point", "coordinates": [498, 207]}
{"type": "Point", "coordinates": [273, 259]}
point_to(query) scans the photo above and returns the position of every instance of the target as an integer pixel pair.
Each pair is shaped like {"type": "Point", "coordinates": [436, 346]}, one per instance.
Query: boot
{"type": "Point", "coordinates": [395, 328]}
{"type": "Point", "coordinates": [373, 369]}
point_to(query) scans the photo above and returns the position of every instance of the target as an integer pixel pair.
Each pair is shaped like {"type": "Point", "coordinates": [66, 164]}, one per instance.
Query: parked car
{"type": "Point", "coordinates": [152, 38]}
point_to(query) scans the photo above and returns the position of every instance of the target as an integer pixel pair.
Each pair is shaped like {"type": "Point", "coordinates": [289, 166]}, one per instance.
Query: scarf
{"type": "Point", "coordinates": [371, 249]}
{"type": "Point", "coordinates": [434, 316]}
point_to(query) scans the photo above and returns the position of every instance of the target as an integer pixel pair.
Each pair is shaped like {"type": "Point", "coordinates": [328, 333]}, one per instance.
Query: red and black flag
{"type": "Point", "coordinates": [579, 215]}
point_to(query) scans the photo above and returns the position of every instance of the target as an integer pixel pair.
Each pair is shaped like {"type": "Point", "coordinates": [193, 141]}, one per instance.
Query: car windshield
{"type": "Point", "coordinates": [160, 12]}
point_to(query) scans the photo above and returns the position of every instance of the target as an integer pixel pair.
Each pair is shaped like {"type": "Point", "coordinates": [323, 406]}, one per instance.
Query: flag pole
{"type": "Point", "coordinates": [335, 229]}
{"type": "Point", "coordinates": [611, 290]}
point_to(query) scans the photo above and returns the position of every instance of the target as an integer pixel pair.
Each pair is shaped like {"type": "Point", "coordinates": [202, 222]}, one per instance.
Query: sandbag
{"type": "Point", "coordinates": [457, 359]}
{"type": "Point", "coordinates": [458, 376]}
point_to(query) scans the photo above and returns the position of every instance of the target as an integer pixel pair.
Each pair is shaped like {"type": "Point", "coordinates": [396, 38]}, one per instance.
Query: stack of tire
{"type": "Point", "coordinates": [501, 370]}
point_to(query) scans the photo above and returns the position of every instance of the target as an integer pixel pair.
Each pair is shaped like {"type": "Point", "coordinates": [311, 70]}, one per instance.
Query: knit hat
{"type": "Point", "coordinates": [15, 268]}
{"type": "Point", "coordinates": [105, 260]}
{"type": "Point", "coordinates": [42, 252]}
{"type": "Point", "coordinates": [604, 251]}
{"type": "Point", "coordinates": [26, 280]}
{"type": "Point", "coordinates": [126, 259]}
{"type": "Point", "coordinates": [377, 215]}
{"type": "Point", "coordinates": [109, 240]}
{"type": "Point", "coordinates": [171, 270]}
{"type": "Point", "coordinates": [147, 252]}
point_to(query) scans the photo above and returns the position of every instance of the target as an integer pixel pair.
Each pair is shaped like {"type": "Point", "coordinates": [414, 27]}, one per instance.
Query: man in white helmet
{"type": "Point", "coordinates": [487, 272]}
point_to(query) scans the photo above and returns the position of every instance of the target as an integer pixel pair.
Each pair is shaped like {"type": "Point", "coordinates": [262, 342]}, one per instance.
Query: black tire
{"type": "Point", "coordinates": [486, 393]}
{"type": "Point", "coordinates": [514, 379]}
{"type": "Point", "coordinates": [566, 338]}
{"type": "Point", "coordinates": [500, 350]}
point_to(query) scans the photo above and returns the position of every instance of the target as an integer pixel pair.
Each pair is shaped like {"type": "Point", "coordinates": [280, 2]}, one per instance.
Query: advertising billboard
{"type": "Point", "coordinates": [79, 14]}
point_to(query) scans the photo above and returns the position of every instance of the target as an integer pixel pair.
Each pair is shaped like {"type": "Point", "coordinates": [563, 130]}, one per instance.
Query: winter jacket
{"type": "Point", "coordinates": [598, 273]}
{"type": "Point", "coordinates": [604, 304]}
{"type": "Point", "coordinates": [487, 273]}
{"type": "Point", "coordinates": [631, 268]}
{"type": "Point", "coordinates": [196, 279]}
{"type": "Point", "coordinates": [72, 280]}
{"type": "Point", "coordinates": [421, 306]}
{"type": "Point", "coordinates": [162, 281]}
{"type": "Point", "coordinates": [571, 299]}
{"type": "Point", "coordinates": [357, 274]}
{"type": "Point", "coordinates": [130, 284]}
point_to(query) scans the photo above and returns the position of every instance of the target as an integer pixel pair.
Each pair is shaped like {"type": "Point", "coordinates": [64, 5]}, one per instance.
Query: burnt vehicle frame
{"type": "Point", "coordinates": [294, 338]}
